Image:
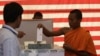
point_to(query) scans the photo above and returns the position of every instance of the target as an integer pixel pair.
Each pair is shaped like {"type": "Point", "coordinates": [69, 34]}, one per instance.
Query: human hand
{"type": "Point", "coordinates": [39, 26]}
{"type": "Point", "coordinates": [67, 47]}
{"type": "Point", "coordinates": [20, 34]}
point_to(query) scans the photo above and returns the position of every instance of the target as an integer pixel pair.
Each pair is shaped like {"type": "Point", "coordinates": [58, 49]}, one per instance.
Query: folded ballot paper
{"type": "Point", "coordinates": [39, 34]}
{"type": "Point", "coordinates": [39, 44]}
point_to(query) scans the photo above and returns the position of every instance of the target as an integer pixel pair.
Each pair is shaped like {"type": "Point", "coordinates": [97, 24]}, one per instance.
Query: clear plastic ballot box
{"type": "Point", "coordinates": [43, 52]}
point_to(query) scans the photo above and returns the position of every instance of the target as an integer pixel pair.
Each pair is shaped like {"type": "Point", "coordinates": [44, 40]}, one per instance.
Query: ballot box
{"type": "Point", "coordinates": [36, 43]}
{"type": "Point", "coordinates": [43, 52]}
{"type": "Point", "coordinates": [30, 28]}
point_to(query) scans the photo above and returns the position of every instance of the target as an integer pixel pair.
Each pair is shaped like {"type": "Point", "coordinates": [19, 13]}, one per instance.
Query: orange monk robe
{"type": "Point", "coordinates": [80, 40]}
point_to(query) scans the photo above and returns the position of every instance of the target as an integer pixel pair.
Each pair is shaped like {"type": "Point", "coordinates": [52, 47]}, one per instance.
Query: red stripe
{"type": "Point", "coordinates": [59, 20]}
{"type": "Point", "coordinates": [93, 28]}
{"type": "Point", "coordinates": [55, 2]}
{"type": "Point", "coordinates": [1, 22]}
{"type": "Point", "coordinates": [88, 28]}
{"type": "Point", "coordinates": [96, 37]}
{"type": "Point", "coordinates": [96, 19]}
{"type": "Point", "coordinates": [60, 10]}
{"type": "Point", "coordinates": [97, 46]}
{"type": "Point", "coordinates": [59, 39]}
{"type": "Point", "coordinates": [57, 11]}
{"type": "Point", "coordinates": [92, 19]}
{"type": "Point", "coordinates": [5, 2]}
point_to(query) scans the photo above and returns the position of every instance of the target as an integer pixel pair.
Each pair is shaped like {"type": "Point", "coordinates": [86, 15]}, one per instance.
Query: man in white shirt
{"type": "Point", "coordinates": [9, 44]}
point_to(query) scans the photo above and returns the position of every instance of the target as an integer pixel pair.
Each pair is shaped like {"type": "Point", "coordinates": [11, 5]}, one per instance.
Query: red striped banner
{"type": "Point", "coordinates": [52, 1]}
{"type": "Point", "coordinates": [58, 11]}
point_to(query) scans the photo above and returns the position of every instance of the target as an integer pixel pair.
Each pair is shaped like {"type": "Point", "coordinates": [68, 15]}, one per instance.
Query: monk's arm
{"type": "Point", "coordinates": [58, 32]}
{"type": "Point", "coordinates": [79, 53]}
{"type": "Point", "coordinates": [52, 33]}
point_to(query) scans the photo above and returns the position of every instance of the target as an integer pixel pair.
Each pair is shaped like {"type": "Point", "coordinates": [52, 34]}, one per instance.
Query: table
{"type": "Point", "coordinates": [42, 52]}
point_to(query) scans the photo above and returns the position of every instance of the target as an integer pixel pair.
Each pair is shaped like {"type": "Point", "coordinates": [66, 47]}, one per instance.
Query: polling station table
{"type": "Point", "coordinates": [43, 52]}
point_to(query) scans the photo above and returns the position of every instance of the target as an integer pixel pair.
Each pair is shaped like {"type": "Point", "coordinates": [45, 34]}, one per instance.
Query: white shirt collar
{"type": "Point", "coordinates": [9, 27]}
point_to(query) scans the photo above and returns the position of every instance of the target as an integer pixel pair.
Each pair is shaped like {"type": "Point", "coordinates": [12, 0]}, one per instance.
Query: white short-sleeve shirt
{"type": "Point", "coordinates": [9, 44]}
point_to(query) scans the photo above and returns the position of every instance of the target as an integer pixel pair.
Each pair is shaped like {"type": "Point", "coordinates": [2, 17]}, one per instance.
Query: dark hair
{"type": "Point", "coordinates": [38, 14]}
{"type": "Point", "coordinates": [78, 13]}
{"type": "Point", "coordinates": [11, 11]}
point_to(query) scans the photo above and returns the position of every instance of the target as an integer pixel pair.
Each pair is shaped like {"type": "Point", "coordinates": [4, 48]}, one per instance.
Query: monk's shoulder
{"type": "Point", "coordinates": [85, 31]}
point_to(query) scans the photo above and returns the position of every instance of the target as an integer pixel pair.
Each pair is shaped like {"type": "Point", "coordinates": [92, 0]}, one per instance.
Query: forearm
{"type": "Point", "coordinates": [47, 32]}
{"type": "Point", "coordinates": [51, 33]}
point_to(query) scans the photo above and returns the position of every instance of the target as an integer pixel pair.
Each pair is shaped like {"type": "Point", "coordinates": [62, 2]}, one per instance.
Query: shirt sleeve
{"type": "Point", "coordinates": [10, 47]}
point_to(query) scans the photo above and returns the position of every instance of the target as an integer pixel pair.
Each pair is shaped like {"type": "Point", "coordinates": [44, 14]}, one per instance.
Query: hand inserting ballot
{"type": "Point", "coordinates": [20, 34]}
{"type": "Point", "coordinates": [40, 26]}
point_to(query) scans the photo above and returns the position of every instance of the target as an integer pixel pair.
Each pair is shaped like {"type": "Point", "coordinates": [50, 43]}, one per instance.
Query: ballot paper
{"type": "Point", "coordinates": [39, 34]}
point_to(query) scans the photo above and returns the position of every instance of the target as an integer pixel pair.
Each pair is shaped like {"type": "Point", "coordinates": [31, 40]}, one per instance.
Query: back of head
{"type": "Point", "coordinates": [38, 15]}
{"type": "Point", "coordinates": [78, 13]}
{"type": "Point", "coordinates": [11, 12]}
